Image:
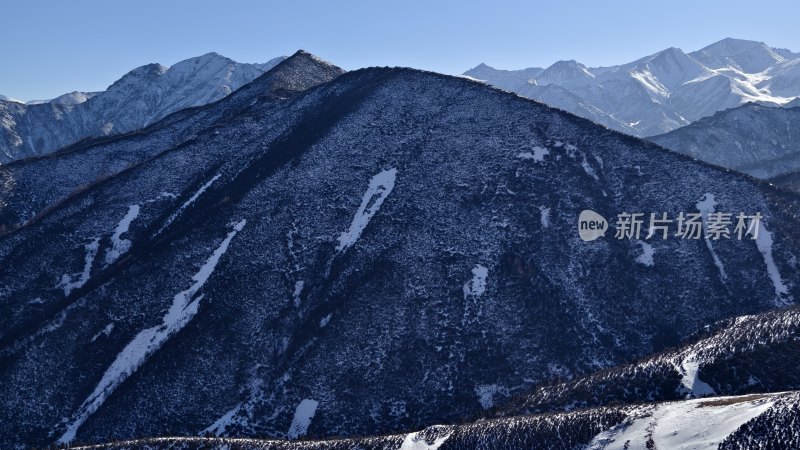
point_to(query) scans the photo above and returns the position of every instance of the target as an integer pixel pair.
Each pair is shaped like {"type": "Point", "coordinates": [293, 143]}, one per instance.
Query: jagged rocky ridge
{"type": "Point", "coordinates": [350, 259]}
{"type": "Point", "coordinates": [140, 98]}
{"type": "Point", "coordinates": [663, 91]}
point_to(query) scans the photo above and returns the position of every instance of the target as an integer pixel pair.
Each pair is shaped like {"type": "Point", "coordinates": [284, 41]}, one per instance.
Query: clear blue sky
{"type": "Point", "coordinates": [51, 47]}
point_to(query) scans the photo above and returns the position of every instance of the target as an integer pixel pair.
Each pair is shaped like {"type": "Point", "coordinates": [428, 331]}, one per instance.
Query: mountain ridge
{"type": "Point", "coordinates": [140, 97]}
{"type": "Point", "coordinates": [663, 91]}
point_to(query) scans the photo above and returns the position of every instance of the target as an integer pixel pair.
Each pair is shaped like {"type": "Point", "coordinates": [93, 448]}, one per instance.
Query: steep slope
{"type": "Point", "coordinates": [350, 261]}
{"type": "Point", "coordinates": [141, 97]}
{"type": "Point", "coordinates": [757, 140]}
{"type": "Point", "coordinates": [663, 91]}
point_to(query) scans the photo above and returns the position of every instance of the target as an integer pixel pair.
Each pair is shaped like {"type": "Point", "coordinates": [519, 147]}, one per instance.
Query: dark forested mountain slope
{"type": "Point", "coordinates": [385, 251]}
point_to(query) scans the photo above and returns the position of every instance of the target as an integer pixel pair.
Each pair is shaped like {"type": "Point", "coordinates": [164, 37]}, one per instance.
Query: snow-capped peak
{"type": "Point", "coordinates": [747, 56]}
{"type": "Point", "coordinates": [662, 91]}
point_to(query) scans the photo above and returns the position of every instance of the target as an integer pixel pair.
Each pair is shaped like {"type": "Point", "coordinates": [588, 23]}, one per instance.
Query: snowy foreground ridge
{"type": "Point", "coordinates": [700, 424]}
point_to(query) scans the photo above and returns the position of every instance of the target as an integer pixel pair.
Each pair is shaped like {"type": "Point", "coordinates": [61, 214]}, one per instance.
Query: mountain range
{"type": "Point", "coordinates": [330, 253]}
{"type": "Point", "coordinates": [660, 92]}
{"type": "Point", "coordinates": [141, 97]}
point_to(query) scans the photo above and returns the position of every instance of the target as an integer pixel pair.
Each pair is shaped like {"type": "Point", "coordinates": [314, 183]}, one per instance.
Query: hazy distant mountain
{"type": "Point", "coordinates": [757, 140]}
{"type": "Point", "coordinates": [663, 91]}
{"type": "Point", "coordinates": [327, 253]}
{"type": "Point", "coordinates": [141, 97]}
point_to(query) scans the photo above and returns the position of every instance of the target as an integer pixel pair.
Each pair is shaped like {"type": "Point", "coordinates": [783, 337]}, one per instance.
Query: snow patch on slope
{"type": "Point", "coordinates": [699, 424]}
{"type": "Point", "coordinates": [764, 244]}
{"type": "Point", "coordinates": [188, 203]}
{"type": "Point", "coordinates": [705, 206]}
{"type": "Point", "coordinates": [477, 285]}
{"type": "Point", "coordinates": [121, 246]}
{"type": "Point", "coordinates": [184, 306]}
{"type": "Point", "coordinates": [486, 394]}
{"type": "Point", "coordinates": [646, 258]}
{"type": "Point", "coordinates": [380, 186]}
{"type": "Point", "coordinates": [71, 282]}
{"type": "Point", "coordinates": [302, 418]}
{"type": "Point", "coordinates": [691, 384]}
{"type": "Point", "coordinates": [544, 216]}
{"type": "Point", "coordinates": [537, 155]}
{"type": "Point", "coordinates": [415, 441]}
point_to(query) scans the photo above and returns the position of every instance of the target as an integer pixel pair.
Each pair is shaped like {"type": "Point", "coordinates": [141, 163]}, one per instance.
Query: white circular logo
{"type": "Point", "coordinates": [591, 225]}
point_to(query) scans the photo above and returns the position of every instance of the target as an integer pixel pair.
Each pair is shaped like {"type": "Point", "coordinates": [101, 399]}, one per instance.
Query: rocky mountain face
{"type": "Point", "coordinates": [761, 141]}
{"type": "Point", "coordinates": [329, 254]}
{"type": "Point", "coordinates": [663, 91]}
{"type": "Point", "coordinates": [140, 98]}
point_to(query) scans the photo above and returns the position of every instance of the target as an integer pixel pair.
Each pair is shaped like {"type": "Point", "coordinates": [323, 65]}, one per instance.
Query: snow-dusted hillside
{"type": "Point", "coordinates": [757, 140]}
{"type": "Point", "coordinates": [141, 97]}
{"type": "Point", "coordinates": [328, 254]}
{"type": "Point", "coordinates": [663, 91]}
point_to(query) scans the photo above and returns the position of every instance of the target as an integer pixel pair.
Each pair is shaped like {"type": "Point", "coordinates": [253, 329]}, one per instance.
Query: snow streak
{"type": "Point", "coordinates": [184, 306]}
{"type": "Point", "coordinates": [380, 187]}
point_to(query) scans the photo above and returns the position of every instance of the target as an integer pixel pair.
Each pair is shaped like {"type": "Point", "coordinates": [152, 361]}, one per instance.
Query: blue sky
{"type": "Point", "coordinates": [52, 47]}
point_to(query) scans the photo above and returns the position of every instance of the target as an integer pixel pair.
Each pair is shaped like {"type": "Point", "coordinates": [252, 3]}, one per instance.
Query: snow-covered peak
{"type": "Point", "coordinates": [141, 74]}
{"type": "Point", "coordinates": [663, 91]}
{"type": "Point", "coordinates": [505, 79]}
{"type": "Point", "coordinates": [73, 98]}
{"type": "Point", "coordinates": [747, 56]}
{"type": "Point", "coordinates": [564, 72]}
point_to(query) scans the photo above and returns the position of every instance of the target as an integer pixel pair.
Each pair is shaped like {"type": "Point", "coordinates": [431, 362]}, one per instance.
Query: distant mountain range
{"type": "Point", "coordinates": [141, 97]}
{"type": "Point", "coordinates": [661, 92]}
{"type": "Point", "coordinates": [323, 253]}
